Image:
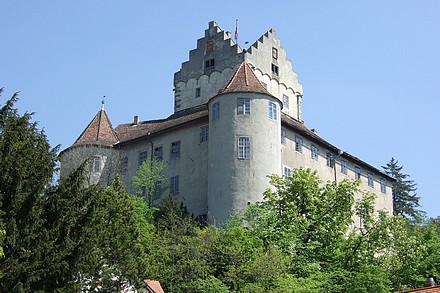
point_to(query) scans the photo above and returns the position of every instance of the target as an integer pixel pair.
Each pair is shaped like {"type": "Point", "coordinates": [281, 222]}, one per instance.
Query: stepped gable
{"type": "Point", "coordinates": [98, 132]}
{"type": "Point", "coordinates": [244, 80]}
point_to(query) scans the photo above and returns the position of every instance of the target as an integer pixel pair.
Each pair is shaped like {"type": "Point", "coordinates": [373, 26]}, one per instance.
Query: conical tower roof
{"type": "Point", "coordinates": [244, 80]}
{"type": "Point", "coordinates": [98, 132]}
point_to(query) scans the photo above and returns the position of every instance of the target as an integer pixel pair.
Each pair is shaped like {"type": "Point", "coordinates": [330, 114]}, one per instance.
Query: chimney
{"type": "Point", "coordinates": [430, 282]}
{"type": "Point", "coordinates": [136, 120]}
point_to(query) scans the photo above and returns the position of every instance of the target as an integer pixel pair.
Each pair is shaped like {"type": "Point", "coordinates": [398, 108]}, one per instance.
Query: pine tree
{"type": "Point", "coordinates": [405, 199]}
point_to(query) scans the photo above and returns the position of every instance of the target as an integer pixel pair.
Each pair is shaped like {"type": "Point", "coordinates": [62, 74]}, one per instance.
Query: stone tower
{"type": "Point", "coordinates": [245, 144]}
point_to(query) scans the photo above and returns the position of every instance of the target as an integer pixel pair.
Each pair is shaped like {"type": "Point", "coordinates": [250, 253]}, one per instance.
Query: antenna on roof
{"type": "Point", "coordinates": [102, 102]}
{"type": "Point", "coordinates": [236, 31]}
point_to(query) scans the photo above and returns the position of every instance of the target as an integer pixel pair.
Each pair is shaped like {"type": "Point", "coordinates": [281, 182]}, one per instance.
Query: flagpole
{"type": "Point", "coordinates": [236, 31]}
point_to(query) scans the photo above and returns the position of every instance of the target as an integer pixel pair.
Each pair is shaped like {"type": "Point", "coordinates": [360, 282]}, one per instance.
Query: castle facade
{"type": "Point", "coordinates": [237, 118]}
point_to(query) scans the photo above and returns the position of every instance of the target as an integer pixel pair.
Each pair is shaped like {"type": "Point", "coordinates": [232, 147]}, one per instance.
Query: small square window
{"type": "Point", "coordinates": [215, 111]}
{"type": "Point", "coordinates": [158, 153]}
{"type": "Point", "coordinates": [274, 69]}
{"type": "Point", "coordinates": [357, 173]}
{"type": "Point", "coordinates": [175, 149]}
{"type": "Point", "coordinates": [330, 160]}
{"type": "Point", "coordinates": [209, 64]}
{"type": "Point", "coordinates": [198, 92]}
{"type": "Point", "coordinates": [174, 184]}
{"type": "Point", "coordinates": [298, 144]}
{"type": "Point", "coordinates": [383, 185]}
{"type": "Point", "coordinates": [243, 148]}
{"type": "Point", "coordinates": [370, 179]}
{"type": "Point", "coordinates": [274, 53]}
{"type": "Point", "coordinates": [143, 156]}
{"type": "Point", "coordinates": [243, 106]}
{"type": "Point", "coordinates": [314, 152]}
{"type": "Point", "coordinates": [283, 136]}
{"type": "Point", "coordinates": [344, 166]}
{"type": "Point", "coordinates": [204, 133]}
{"type": "Point", "coordinates": [273, 111]}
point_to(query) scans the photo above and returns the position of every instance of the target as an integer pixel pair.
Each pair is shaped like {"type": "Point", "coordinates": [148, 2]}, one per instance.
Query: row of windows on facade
{"type": "Point", "coordinates": [244, 108]}
{"type": "Point", "coordinates": [330, 161]}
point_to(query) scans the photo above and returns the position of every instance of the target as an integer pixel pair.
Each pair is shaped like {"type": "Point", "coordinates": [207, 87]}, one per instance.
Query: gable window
{"type": "Point", "coordinates": [274, 53]}
{"type": "Point", "coordinates": [174, 184]}
{"type": "Point", "coordinates": [314, 152]}
{"type": "Point", "coordinates": [209, 46]}
{"type": "Point", "coordinates": [357, 173]}
{"type": "Point", "coordinates": [272, 111]}
{"type": "Point", "coordinates": [158, 153]}
{"type": "Point", "coordinates": [286, 101]}
{"type": "Point", "coordinates": [329, 157]}
{"type": "Point", "coordinates": [383, 185]}
{"type": "Point", "coordinates": [198, 92]}
{"type": "Point", "coordinates": [96, 164]}
{"type": "Point", "coordinates": [298, 144]}
{"type": "Point", "coordinates": [344, 166]}
{"type": "Point", "coordinates": [283, 136]}
{"type": "Point", "coordinates": [274, 69]}
{"type": "Point", "coordinates": [209, 64]}
{"type": "Point", "coordinates": [175, 149]}
{"type": "Point", "coordinates": [243, 148]}
{"type": "Point", "coordinates": [215, 111]}
{"type": "Point", "coordinates": [143, 156]}
{"type": "Point", "coordinates": [370, 179]}
{"type": "Point", "coordinates": [243, 106]}
{"type": "Point", "coordinates": [204, 133]}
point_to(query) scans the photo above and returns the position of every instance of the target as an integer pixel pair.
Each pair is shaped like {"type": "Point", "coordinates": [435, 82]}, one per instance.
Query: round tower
{"type": "Point", "coordinates": [244, 144]}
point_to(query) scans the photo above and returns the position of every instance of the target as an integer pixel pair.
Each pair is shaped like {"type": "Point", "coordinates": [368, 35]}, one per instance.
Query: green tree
{"type": "Point", "coordinates": [149, 180]}
{"type": "Point", "coordinates": [405, 199]}
{"type": "Point", "coordinates": [27, 162]}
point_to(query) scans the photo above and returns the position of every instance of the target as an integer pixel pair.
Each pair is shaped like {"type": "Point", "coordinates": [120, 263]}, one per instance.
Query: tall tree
{"type": "Point", "coordinates": [27, 164]}
{"type": "Point", "coordinates": [405, 199]}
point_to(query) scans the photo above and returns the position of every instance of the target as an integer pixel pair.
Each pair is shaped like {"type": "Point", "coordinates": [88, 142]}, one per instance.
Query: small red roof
{"type": "Point", "coordinates": [244, 80]}
{"type": "Point", "coordinates": [153, 286]}
{"type": "Point", "coordinates": [99, 131]}
{"type": "Point", "coordinates": [434, 289]}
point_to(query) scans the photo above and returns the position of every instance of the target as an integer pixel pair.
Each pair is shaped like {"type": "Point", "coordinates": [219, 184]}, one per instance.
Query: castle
{"type": "Point", "coordinates": [237, 118]}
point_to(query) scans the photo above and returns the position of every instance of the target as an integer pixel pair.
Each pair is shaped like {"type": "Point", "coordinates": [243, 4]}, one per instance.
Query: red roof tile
{"type": "Point", "coordinates": [153, 286]}
{"type": "Point", "coordinates": [435, 289]}
{"type": "Point", "coordinates": [99, 131]}
{"type": "Point", "coordinates": [244, 80]}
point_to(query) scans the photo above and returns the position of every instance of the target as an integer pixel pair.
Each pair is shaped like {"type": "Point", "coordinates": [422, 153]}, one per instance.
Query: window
{"type": "Point", "coordinates": [175, 149]}
{"type": "Point", "coordinates": [383, 185]}
{"type": "Point", "coordinates": [198, 92]}
{"type": "Point", "coordinates": [123, 166]}
{"type": "Point", "coordinates": [204, 133]}
{"type": "Point", "coordinates": [274, 69]}
{"type": "Point", "coordinates": [272, 111]}
{"type": "Point", "coordinates": [174, 184]}
{"type": "Point", "coordinates": [357, 173]}
{"type": "Point", "coordinates": [274, 53]}
{"type": "Point", "coordinates": [286, 101]}
{"type": "Point", "coordinates": [344, 166]}
{"type": "Point", "coordinates": [157, 189]}
{"type": "Point", "coordinates": [215, 111]}
{"type": "Point", "coordinates": [209, 64]}
{"type": "Point", "coordinates": [283, 136]}
{"type": "Point", "coordinates": [243, 148]}
{"type": "Point", "coordinates": [287, 171]}
{"type": "Point", "coordinates": [209, 46]}
{"type": "Point", "coordinates": [96, 164]}
{"type": "Point", "coordinates": [243, 106]}
{"type": "Point", "coordinates": [143, 156]}
{"type": "Point", "coordinates": [158, 153]}
{"type": "Point", "coordinates": [314, 152]}
{"type": "Point", "coordinates": [298, 144]}
{"type": "Point", "coordinates": [370, 179]}
{"type": "Point", "coordinates": [329, 157]}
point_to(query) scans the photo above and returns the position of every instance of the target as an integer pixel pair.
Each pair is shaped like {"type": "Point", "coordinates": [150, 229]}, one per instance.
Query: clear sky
{"type": "Point", "coordinates": [370, 69]}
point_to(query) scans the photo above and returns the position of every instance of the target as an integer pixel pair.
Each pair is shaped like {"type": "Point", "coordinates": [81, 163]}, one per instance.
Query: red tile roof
{"type": "Point", "coordinates": [153, 286]}
{"type": "Point", "coordinates": [435, 289]}
{"type": "Point", "coordinates": [98, 132]}
{"type": "Point", "coordinates": [244, 80]}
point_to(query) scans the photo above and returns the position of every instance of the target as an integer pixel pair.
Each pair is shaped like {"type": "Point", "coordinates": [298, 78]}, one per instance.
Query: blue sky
{"type": "Point", "coordinates": [370, 69]}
